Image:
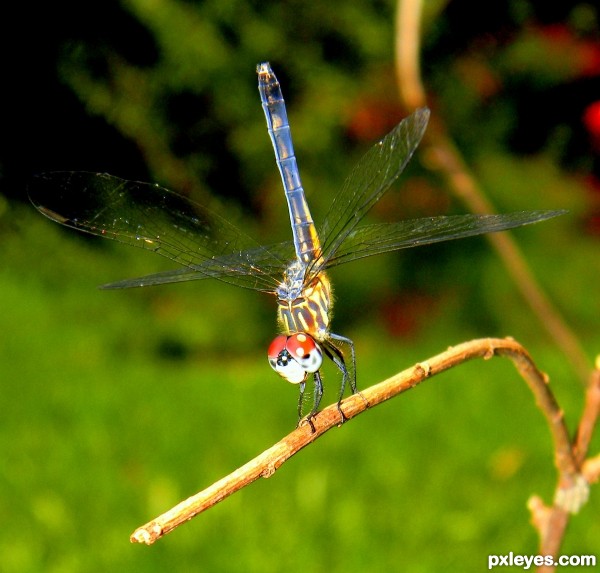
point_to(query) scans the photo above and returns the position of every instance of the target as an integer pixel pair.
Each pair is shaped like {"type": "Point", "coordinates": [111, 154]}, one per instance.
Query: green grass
{"type": "Point", "coordinates": [117, 405]}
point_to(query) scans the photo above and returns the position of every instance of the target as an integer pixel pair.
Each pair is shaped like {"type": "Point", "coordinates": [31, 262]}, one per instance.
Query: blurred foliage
{"type": "Point", "coordinates": [118, 404]}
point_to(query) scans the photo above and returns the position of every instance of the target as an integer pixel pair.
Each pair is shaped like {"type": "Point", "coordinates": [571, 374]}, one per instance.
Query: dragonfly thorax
{"type": "Point", "coordinates": [290, 288]}
{"type": "Point", "coordinates": [304, 306]}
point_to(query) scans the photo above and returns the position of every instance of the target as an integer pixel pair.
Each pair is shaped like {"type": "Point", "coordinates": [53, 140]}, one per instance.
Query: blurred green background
{"type": "Point", "coordinates": [116, 405]}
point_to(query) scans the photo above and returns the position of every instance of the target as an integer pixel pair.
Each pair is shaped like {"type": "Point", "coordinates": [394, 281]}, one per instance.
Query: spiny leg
{"type": "Point", "coordinates": [336, 355]}
{"type": "Point", "coordinates": [318, 393]}
{"type": "Point", "coordinates": [350, 375]}
{"type": "Point", "coordinates": [302, 386]}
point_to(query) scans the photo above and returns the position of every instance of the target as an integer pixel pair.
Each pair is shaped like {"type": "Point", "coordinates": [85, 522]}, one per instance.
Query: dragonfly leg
{"type": "Point", "coordinates": [336, 356]}
{"type": "Point", "coordinates": [302, 386]}
{"type": "Point", "coordinates": [318, 393]}
{"type": "Point", "coordinates": [348, 375]}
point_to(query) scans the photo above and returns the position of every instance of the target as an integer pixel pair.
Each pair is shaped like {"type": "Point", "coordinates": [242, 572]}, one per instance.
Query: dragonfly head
{"type": "Point", "coordinates": [295, 356]}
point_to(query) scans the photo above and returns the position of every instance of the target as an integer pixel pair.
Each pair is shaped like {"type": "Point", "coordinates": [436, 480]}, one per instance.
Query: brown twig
{"type": "Point", "coordinates": [407, 54]}
{"type": "Point", "coordinates": [443, 155]}
{"type": "Point", "coordinates": [270, 460]}
{"type": "Point", "coordinates": [572, 491]}
{"type": "Point", "coordinates": [591, 469]}
{"type": "Point", "coordinates": [573, 485]}
{"type": "Point", "coordinates": [589, 417]}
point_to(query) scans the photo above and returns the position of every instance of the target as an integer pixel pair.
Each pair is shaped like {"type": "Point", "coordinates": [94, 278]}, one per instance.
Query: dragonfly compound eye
{"type": "Point", "coordinates": [276, 347]}
{"type": "Point", "coordinates": [284, 363]}
{"type": "Point", "coordinates": [305, 351]}
{"type": "Point", "coordinates": [295, 356]}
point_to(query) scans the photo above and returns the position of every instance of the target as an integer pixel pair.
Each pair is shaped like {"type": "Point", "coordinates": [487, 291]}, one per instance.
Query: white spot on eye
{"type": "Point", "coordinates": [311, 361]}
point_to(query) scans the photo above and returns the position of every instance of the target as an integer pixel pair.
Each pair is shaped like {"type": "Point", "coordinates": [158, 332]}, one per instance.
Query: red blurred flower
{"type": "Point", "coordinates": [373, 119]}
{"type": "Point", "coordinates": [563, 42]}
{"type": "Point", "coordinates": [591, 120]}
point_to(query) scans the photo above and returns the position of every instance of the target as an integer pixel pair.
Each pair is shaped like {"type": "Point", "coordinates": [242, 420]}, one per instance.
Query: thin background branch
{"type": "Point", "coordinates": [572, 488]}
{"type": "Point", "coordinates": [443, 156]}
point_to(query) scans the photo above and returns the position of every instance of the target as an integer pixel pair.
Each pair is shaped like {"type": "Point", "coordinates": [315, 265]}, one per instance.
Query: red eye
{"type": "Point", "coordinates": [305, 351]}
{"type": "Point", "coordinates": [295, 356]}
{"type": "Point", "coordinates": [300, 345]}
{"type": "Point", "coordinates": [277, 346]}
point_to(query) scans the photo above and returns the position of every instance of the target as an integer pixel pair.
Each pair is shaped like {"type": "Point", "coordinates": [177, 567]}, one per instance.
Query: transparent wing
{"type": "Point", "coordinates": [380, 238]}
{"type": "Point", "coordinates": [265, 262]}
{"type": "Point", "coordinates": [369, 180]}
{"type": "Point", "coordinates": [150, 217]}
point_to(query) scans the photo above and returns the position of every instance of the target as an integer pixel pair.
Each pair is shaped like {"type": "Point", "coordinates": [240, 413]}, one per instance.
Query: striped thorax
{"type": "Point", "coordinates": [304, 307]}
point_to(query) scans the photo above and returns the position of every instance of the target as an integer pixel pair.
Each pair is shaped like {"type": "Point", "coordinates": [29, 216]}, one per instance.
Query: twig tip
{"type": "Point", "coordinates": [146, 534]}
{"type": "Point", "coordinates": [540, 514]}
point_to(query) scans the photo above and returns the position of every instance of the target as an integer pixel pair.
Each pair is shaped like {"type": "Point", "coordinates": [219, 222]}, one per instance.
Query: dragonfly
{"type": "Point", "coordinates": [206, 245]}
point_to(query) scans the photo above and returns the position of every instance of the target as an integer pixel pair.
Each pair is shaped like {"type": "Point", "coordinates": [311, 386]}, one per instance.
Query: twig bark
{"type": "Point", "coordinates": [589, 417]}
{"type": "Point", "coordinates": [271, 459]}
